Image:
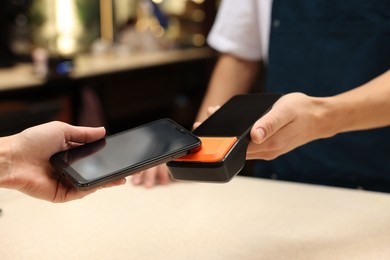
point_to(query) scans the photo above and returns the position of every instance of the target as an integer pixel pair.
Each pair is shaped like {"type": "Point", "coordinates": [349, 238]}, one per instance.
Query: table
{"type": "Point", "coordinates": [246, 218]}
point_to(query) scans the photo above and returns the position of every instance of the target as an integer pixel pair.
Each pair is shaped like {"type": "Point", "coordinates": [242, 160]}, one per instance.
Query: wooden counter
{"type": "Point", "coordinates": [22, 76]}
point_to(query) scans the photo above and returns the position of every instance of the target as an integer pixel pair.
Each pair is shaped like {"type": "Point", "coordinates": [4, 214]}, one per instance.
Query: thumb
{"type": "Point", "coordinates": [266, 126]}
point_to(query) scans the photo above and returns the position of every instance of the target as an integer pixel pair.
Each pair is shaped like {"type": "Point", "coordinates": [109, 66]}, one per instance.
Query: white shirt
{"type": "Point", "coordinates": [242, 28]}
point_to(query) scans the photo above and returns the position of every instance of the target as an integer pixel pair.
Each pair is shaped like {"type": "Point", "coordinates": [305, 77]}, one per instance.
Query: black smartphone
{"type": "Point", "coordinates": [131, 151]}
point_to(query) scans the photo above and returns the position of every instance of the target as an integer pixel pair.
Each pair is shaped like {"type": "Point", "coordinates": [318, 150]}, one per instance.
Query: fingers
{"type": "Point", "coordinates": [262, 151]}
{"type": "Point", "coordinates": [136, 179]}
{"type": "Point", "coordinates": [164, 177]}
{"type": "Point", "coordinates": [210, 111]}
{"type": "Point", "coordinates": [152, 177]}
{"type": "Point", "coordinates": [147, 178]}
{"type": "Point", "coordinates": [70, 193]}
{"type": "Point", "coordinates": [270, 124]}
{"type": "Point", "coordinates": [196, 124]}
{"type": "Point", "coordinates": [81, 134]}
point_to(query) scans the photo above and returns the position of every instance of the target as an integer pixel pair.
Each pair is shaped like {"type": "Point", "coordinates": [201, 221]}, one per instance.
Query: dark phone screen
{"type": "Point", "coordinates": [237, 115]}
{"type": "Point", "coordinates": [128, 150]}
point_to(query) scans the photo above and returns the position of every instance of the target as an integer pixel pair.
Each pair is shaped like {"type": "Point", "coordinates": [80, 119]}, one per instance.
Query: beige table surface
{"type": "Point", "coordinates": [244, 219]}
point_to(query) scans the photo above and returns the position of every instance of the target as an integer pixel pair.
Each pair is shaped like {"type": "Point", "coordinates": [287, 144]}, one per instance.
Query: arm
{"type": "Point", "coordinates": [297, 119]}
{"type": "Point", "coordinates": [24, 160]}
{"type": "Point", "coordinates": [230, 77]}
{"type": "Point", "coordinates": [362, 108]}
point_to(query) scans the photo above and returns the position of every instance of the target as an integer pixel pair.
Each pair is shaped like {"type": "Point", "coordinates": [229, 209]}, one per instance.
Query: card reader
{"type": "Point", "coordinates": [225, 137]}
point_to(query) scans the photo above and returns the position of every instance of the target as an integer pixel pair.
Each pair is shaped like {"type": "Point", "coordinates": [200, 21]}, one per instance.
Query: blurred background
{"type": "Point", "coordinates": [117, 63]}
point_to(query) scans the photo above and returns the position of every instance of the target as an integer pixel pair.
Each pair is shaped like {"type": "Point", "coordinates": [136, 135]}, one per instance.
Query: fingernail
{"type": "Point", "coordinates": [260, 135]}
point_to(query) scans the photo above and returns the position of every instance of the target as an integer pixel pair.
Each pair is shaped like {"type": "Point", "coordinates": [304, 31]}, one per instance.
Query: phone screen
{"type": "Point", "coordinates": [237, 115]}
{"type": "Point", "coordinates": [124, 153]}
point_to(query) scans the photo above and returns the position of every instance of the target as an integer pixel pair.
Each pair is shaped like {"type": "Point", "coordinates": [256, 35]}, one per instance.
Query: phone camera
{"type": "Point", "coordinates": [181, 130]}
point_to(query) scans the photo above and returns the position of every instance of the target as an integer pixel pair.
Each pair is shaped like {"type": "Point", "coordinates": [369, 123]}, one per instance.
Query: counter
{"type": "Point", "coordinates": [246, 218]}
{"type": "Point", "coordinates": [21, 75]}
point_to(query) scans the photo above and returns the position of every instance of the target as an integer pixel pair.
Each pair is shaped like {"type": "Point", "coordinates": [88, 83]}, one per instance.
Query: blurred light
{"type": "Point", "coordinates": [198, 40]}
{"type": "Point", "coordinates": [65, 24]}
{"type": "Point", "coordinates": [198, 1]}
{"type": "Point", "coordinates": [198, 15]}
{"type": "Point", "coordinates": [157, 1]}
{"type": "Point", "coordinates": [64, 67]}
{"type": "Point", "coordinates": [106, 20]}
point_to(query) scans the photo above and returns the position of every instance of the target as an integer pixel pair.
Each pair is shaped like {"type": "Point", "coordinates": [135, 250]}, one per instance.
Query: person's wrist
{"type": "Point", "coordinates": [329, 117]}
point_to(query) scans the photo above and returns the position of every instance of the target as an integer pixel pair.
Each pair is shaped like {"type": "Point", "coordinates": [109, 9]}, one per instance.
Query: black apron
{"type": "Point", "coordinates": [322, 48]}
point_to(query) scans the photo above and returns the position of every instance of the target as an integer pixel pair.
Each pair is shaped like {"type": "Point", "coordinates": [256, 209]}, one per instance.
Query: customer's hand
{"type": "Point", "coordinates": [26, 165]}
{"type": "Point", "coordinates": [294, 120]}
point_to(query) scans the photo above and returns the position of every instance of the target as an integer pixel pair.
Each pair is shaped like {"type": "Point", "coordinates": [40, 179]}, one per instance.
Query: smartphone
{"type": "Point", "coordinates": [131, 151]}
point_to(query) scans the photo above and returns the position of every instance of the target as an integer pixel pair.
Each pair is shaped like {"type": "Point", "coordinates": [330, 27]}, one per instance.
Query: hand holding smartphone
{"type": "Point", "coordinates": [117, 156]}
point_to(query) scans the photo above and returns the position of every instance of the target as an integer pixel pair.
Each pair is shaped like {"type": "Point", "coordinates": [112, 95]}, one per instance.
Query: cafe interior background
{"type": "Point", "coordinates": [117, 63]}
